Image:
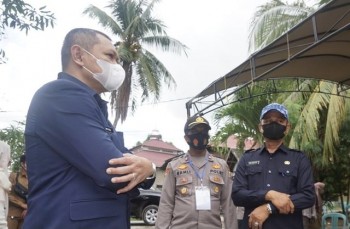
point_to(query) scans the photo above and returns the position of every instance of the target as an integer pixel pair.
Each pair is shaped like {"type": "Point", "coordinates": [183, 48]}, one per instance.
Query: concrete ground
{"type": "Point", "coordinates": [140, 225]}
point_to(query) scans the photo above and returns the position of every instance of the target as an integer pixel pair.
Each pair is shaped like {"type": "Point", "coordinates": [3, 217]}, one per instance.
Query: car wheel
{"type": "Point", "coordinates": [149, 214]}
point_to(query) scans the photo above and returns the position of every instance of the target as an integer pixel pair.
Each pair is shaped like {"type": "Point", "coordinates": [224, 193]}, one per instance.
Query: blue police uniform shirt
{"type": "Point", "coordinates": [288, 171]}
{"type": "Point", "coordinates": [69, 142]}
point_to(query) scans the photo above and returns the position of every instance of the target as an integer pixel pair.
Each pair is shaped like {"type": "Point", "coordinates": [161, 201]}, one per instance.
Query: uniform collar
{"type": "Point", "coordinates": [210, 156]}
{"type": "Point", "coordinates": [282, 148]}
{"type": "Point", "coordinates": [66, 76]}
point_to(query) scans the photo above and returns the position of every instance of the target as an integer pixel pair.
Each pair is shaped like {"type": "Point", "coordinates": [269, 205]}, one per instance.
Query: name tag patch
{"type": "Point", "coordinates": [253, 162]}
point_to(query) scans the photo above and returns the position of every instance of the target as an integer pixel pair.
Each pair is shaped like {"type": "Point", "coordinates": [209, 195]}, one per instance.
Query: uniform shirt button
{"type": "Point", "coordinates": [269, 171]}
{"type": "Point", "coordinates": [268, 185]}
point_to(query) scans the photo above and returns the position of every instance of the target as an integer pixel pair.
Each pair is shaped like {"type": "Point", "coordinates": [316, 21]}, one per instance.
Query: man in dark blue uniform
{"type": "Point", "coordinates": [70, 143]}
{"type": "Point", "coordinates": [273, 183]}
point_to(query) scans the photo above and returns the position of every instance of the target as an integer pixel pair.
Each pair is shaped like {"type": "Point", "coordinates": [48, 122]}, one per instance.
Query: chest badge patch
{"type": "Point", "coordinates": [216, 166]}
{"type": "Point", "coordinates": [183, 190]}
{"type": "Point", "coordinates": [287, 162]}
{"type": "Point", "coordinates": [216, 179]}
{"type": "Point", "coordinates": [182, 166]}
{"type": "Point", "coordinates": [216, 189]}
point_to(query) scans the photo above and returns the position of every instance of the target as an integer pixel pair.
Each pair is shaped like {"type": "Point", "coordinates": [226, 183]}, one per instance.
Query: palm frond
{"type": "Point", "coordinates": [166, 43]}
{"type": "Point", "coordinates": [335, 118]}
{"type": "Point", "coordinates": [272, 21]}
{"type": "Point", "coordinates": [124, 11]}
{"type": "Point", "coordinates": [153, 72]}
{"type": "Point", "coordinates": [148, 10]}
{"type": "Point", "coordinates": [104, 19]}
{"type": "Point", "coordinates": [125, 53]}
{"type": "Point", "coordinates": [149, 81]}
{"type": "Point", "coordinates": [161, 70]}
{"type": "Point", "coordinates": [306, 129]}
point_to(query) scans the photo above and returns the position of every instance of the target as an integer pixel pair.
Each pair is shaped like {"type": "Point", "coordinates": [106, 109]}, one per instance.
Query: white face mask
{"type": "Point", "coordinates": [112, 75]}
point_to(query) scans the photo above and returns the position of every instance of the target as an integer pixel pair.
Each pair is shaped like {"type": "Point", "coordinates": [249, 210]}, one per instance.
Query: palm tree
{"type": "Point", "coordinates": [320, 121]}
{"type": "Point", "coordinates": [132, 22]}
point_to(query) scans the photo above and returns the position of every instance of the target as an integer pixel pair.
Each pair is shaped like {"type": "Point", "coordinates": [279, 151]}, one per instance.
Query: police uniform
{"type": "Point", "coordinates": [177, 208]}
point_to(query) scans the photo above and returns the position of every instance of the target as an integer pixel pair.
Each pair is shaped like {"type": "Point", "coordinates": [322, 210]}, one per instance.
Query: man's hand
{"type": "Point", "coordinates": [134, 169]}
{"type": "Point", "coordinates": [281, 201]}
{"type": "Point", "coordinates": [258, 216]}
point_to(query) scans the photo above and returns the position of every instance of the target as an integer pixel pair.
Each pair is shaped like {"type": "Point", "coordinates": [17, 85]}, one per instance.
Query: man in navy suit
{"type": "Point", "coordinates": [80, 174]}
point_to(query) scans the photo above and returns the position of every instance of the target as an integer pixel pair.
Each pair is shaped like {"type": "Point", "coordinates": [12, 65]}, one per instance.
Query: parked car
{"type": "Point", "coordinates": [145, 206]}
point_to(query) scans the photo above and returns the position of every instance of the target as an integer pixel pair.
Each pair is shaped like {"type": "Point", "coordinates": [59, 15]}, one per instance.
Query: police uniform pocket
{"type": "Point", "coordinates": [184, 185]}
{"type": "Point", "coordinates": [254, 175]}
{"type": "Point", "coordinates": [288, 176]}
{"type": "Point", "coordinates": [216, 184]}
{"type": "Point", "coordinates": [253, 170]}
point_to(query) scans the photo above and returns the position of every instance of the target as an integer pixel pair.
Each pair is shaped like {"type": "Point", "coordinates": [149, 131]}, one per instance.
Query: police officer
{"type": "Point", "coordinates": [273, 183]}
{"type": "Point", "coordinates": [197, 186]}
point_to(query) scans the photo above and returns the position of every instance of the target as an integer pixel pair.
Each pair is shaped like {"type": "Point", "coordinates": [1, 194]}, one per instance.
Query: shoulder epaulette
{"type": "Point", "coordinates": [250, 150]}
{"type": "Point", "coordinates": [295, 150]}
{"type": "Point", "coordinates": [178, 158]}
{"type": "Point", "coordinates": [219, 158]}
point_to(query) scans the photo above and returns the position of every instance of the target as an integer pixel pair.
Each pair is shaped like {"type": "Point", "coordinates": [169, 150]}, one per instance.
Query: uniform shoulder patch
{"type": "Point", "coordinates": [295, 150]}
{"type": "Point", "coordinates": [251, 150]}
{"type": "Point", "coordinates": [180, 158]}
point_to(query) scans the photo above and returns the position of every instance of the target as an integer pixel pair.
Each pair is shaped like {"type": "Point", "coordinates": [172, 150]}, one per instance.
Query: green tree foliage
{"type": "Point", "coordinates": [320, 120]}
{"type": "Point", "coordinates": [18, 14]}
{"type": "Point", "coordinates": [14, 136]}
{"type": "Point", "coordinates": [336, 174]}
{"type": "Point", "coordinates": [132, 22]}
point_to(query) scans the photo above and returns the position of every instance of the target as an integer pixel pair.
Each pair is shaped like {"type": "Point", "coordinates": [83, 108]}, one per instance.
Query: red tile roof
{"type": "Point", "coordinates": [155, 143]}
{"type": "Point", "coordinates": [156, 157]}
{"type": "Point", "coordinates": [156, 150]}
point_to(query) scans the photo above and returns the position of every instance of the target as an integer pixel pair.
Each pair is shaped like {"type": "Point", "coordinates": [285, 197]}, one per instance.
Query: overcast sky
{"type": "Point", "coordinates": [216, 33]}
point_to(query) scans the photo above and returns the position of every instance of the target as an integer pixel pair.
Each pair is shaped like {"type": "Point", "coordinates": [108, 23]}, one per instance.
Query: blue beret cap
{"type": "Point", "coordinates": [274, 106]}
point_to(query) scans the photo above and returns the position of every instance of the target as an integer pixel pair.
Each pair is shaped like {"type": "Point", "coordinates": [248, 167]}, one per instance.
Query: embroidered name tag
{"type": "Point", "coordinates": [253, 162]}
{"type": "Point", "coordinates": [182, 172]}
{"type": "Point", "coordinates": [216, 171]}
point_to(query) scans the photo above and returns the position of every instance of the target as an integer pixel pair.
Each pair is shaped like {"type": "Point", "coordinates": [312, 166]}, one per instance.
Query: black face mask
{"type": "Point", "coordinates": [198, 141]}
{"type": "Point", "coordinates": [274, 131]}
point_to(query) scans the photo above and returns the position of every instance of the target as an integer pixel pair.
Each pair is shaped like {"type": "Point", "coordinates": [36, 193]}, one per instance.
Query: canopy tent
{"type": "Point", "coordinates": [317, 48]}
